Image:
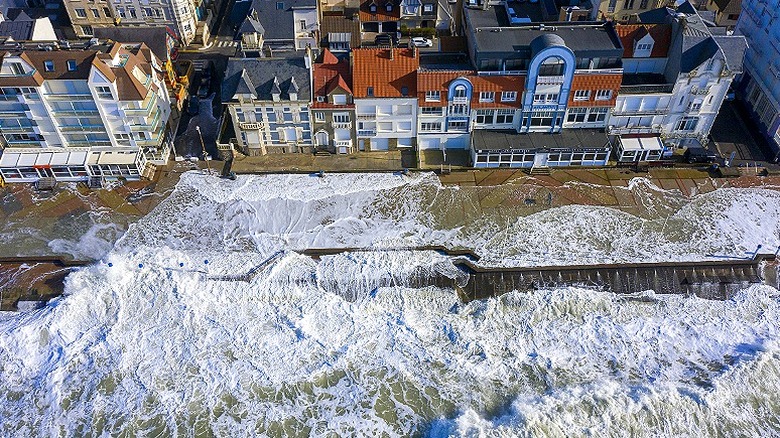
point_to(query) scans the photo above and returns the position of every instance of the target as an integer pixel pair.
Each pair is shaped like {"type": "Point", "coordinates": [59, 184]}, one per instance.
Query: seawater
{"type": "Point", "coordinates": [154, 345]}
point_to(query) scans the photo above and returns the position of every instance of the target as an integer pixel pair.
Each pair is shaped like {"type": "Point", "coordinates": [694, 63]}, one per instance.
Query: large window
{"type": "Point", "coordinates": [458, 126]}
{"type": "Point", "coordinates": [81, 13]}
{"type": "Point", "coordinates": [687, 123]}
{"type": "Point", "coordinates": [486, 96]}
{"type": "Point", "coordinates": [597, 115]}
{"type": "Point", "coordinates": [545, 98]}
{"type": "Point", "coordinates": [576, 115]}
{"type": "Point", "coordinates": [484, 117]}
{"type": "Point", "coordinates": [580, 95]}
{"type": "Point", "coordinates": [341, 118]}
{"type": "Point", "coordinates": [460, 92]}
{"type": "Point", "coordinates": [552, 66]}
{"type": "Point", "coordinates": [431, 110]}
{"type": "Point", "coordinates": [428, 127]}
{"type": "Point", "coordinates": [432, 96]}
{"type": "Point", "coordinates": [603, 94]}
{"type": "Point", "coordinates": [504, 116]}
{"type": "Point", "coordinates": [541, 118]}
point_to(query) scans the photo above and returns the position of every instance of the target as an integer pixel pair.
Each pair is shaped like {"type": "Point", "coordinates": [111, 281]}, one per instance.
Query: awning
{"type": "Point", "coordinates": [11, 158]}
{"type": "Point", "coordinates": [116, 158]}
{"type": "Point", "coordinates": [631, 144]}
{"type": "Point", "coordinates": [651, 143]}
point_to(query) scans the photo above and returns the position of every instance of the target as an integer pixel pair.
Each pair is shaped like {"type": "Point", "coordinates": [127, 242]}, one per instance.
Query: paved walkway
{"type": "Point", "coordinates": [357, 162]}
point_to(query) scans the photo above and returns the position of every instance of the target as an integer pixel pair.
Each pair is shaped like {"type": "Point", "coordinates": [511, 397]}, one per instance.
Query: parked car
{"type": "Point", "coordinates": [421, 42]}
{"type": "Point", "coordinates": [700, 155]}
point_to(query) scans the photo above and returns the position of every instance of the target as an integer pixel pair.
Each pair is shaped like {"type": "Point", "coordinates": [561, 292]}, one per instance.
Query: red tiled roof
{"type": "Point", "coordinates": [381, 13]}
{"type": "Point", "coordinates": [385, 73]}
{"type": "Point", "coordinates": [630, 33]}
{"type": "Point", "coordinates": [328, 75]}
{"type": "Point", "coordinates": [593, 83]}
{"type": "Point", "coordinates": [440, 80]}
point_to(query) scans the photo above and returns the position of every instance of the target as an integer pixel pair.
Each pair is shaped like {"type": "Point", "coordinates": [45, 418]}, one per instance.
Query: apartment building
{"type": "Point", "coordinates": [676, 76]}
{"type": "Point", "coordinates": [760, 87]}
{"type": "Point", "coordinates": [726, 12]}
{"type": "Point", "coordinates": [333, 108]}
{"type": "Point", "coordinates": [181, 16]}
{"type": "Point", "coordinates": [385, 92]}
{"type": "Point", "coordinates": [267, 101]}
{"type": "Point", "coordinates": [70, 115]}
{"type": "Point", "coordinates": [274, 26]}
{"type": "Point", "coordinates": [625, 10]}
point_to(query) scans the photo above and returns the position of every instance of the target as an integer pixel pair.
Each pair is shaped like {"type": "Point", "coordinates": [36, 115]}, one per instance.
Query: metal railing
{"type": "Point", "coordinates": [249, 126]}
{"type": "Point", "coordinates": [646, 89]}
{"type": "Point", "coordinates": [342, 125]}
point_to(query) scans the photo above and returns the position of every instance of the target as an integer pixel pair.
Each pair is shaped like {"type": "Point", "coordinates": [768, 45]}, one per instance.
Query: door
{"type": "Point", "coordinates": [322, 139]}
{"type": "Point", "coordinates": [540, 159]}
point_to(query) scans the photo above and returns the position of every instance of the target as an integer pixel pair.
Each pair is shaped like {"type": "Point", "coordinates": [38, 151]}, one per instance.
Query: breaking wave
{"type": "Point", "coordinates": [204, 320]}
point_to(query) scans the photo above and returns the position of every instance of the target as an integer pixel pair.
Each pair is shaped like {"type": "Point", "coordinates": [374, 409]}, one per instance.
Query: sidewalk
{"type": "Point", "coordinates": [357, 162]}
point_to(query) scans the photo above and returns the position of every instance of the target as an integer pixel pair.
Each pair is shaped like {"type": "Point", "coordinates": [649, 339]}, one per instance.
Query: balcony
{"type": "Point", "coordinates": [626, 130]}
{"type": "Point", "coordinates": [459, 100]}
{"type": "Point", "coordinates": [550, 80]}
{"type": "Point", "coordinates": [343, 143]}
{"type": "Point", "coordinates": [342, 125]}
{"type": "Point", "coordinates": [68, 96]}
{"type": "Point", "coordinates": [647, 89]}
{"type": "Point", "coordinates": [366, 132]}
{"type": "Point", "coordinates": [75, 112]}
{"type": "Point", "coordinates": [641, 112]}
{"type": "Point", "coordinates": [366, 116]}
{"type": "Point", "coordinates": [82, 128]}
{"type": "Point", "coordinates": [249, 126]}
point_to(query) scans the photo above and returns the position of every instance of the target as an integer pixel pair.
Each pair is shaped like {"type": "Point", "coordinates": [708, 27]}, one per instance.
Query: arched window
{"type": "Point", "coordinates": [460, 91]}
{"type": "Point", "coordinates": [552, 66]}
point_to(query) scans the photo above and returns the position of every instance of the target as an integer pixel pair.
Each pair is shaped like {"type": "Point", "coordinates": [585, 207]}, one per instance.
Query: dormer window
{"type": "Point", "coordinates": [372, 8]}
{"type": "Point", "coordinates": [404, 91]}
{"type": "Point", "coordinates": [389, 7]}
{"type": "Point", "coordinates": [279, 5]}
{"type": "Point", "coordinates": [339, 99]}
{"type": "Point", "coordinates": [17, 68]}
{"type": "Point", "coordinates": [48, 65]}
{"type": "Point", "coordinates": [370, 91]}
{"type": "Point", "coordinates": [293, 95]}
{"type": "Point", "coordinates": [71, 65]}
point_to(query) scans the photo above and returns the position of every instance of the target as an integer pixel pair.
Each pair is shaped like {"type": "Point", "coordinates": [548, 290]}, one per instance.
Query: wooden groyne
{"type": "Point", "coordinates": [316, 253]}
{"type": "Point", "coordinates": [52, 260]}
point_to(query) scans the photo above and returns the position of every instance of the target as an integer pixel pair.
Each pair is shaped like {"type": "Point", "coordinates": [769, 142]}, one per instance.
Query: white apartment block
{"type": "Point", "coordinates": [386, 123]}
{"type": "Point", "coordinates": [70, 115]}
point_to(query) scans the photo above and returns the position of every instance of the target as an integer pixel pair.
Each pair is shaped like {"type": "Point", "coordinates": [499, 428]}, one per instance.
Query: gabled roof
{"type": "Point", "coordinates": [273, 18]}
{"type": "Point", "coordinates": [340, 24]}
{"type": "Point", "coordinates": [330, 75]}
{"type": "Point", "coordinates": [660, 33]}
{"type": "Point", "coordinates": [265, 76]}
{"type": "Point", "coordinates": [155, 37]}
{"type": "Point", "coordinates": [20, 30]}
{"type": "Point", "coordinates": [386, 70]}
{"type": "Point", "coordinates": [381, 13]}
{"type": "Point", "coordinates": [245, 85]}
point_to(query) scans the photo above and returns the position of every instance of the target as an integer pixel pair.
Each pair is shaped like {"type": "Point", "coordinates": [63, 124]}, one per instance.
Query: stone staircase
{"type": "Point", "coordinates": [540, 170]}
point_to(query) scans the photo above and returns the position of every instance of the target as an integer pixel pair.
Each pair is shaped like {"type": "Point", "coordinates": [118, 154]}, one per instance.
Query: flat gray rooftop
{"type": "Point", "coordinates": [567, 139]}
{"type": "Point", "coordinates": [582, 38]}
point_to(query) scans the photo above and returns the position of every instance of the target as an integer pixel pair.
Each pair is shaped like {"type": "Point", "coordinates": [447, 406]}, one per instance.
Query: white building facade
{"type": "Point", "coordinates": [72, 115]}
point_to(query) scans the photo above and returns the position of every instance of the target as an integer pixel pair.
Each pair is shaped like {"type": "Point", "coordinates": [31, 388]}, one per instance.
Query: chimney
{"type": "Point", "coordinates": [307, 57]}
{"type": "Point", "coordinates": [414, 51]}
{"type": "Point", "coordinates": [392, 55]}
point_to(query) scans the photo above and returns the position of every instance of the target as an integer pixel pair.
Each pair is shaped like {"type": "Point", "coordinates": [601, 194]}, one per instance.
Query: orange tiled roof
{"type": "Point", "coordinates": [661, 34]}
{"type": "Point", "coordinates": [328, 74]}
{"type": "Point", "coordinates": [387, 75]}
{"type": "Point", "coordinates": [440, 80]}
{"type": "Point", "coordinates": [593, 83]}
{"type": "Point", "coordinates": [381, 13]}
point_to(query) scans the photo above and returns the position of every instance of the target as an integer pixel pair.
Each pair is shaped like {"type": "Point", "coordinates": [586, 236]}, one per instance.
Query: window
{"type": "Point", "coordinates": [279, 6]}
{"type": "Point", "coordinates": [687, 123]}
{"type": "Point", "coordinates": [71, 65]}
{"type": "Point", "coordinates": [339, 99]}
{"type": "Point", "coordinates": [320, 99]}
{"type": "Point", "coordinates": [48, 65]}
{"type": "Point", "coordinates": [486, 96]}
{"type": "Point", "coordinates": [430, 126]}
{"type": "Point", "coordinates": [509, 96]}
{"type": "Point", "coordinates": [389, 7]}
{"type": "Point", "coordinates": [460, 92]}
{"type": "Point", "coordinates": [576, 115]}
{"type": "Point", "coordinates": [504, 116]}
{"type": "Point", "coordinates": [431, 110]}
{"type": "Point", "coordinates": [552, 66]}
{"type": "Point", "coordinates": [484, 117]}
{"type": "Point", "coordinates": [428, 7]}
{"type": "Point", "coordinates": [319, 117]}
{"type": "Point", "coordinates": [103, 92]}
{"type": "Point", "coordinates": [87, 30]}
{"type": "Point", "coordinates": [459, 125]}
{"type": "Point", "coordinates": [341, 118]}
{"type": "Point", "coordinates": [107, 12]}
{"type": "Point", "coordinates": [580, 95]}
{"type": "Point", "coordinates": [404, 91]}
{"type": "Point", "coordinates": [544, 98]}
{"type": "Point", "coordinates": [16, 68]}
{"type": "Point", "coordinates": [541, 118]}
{"type": "Point", "coordinates": [603, 94]}
{"type": "Point", "coordinates": [643, 47]}
{"type": "Point", "coordinates": [121, 12]}
{"type": "Point", "coordinates": [458, 110]}
{"type": "Point", "coordinates": [432, 96]}
{"type": "Point", "coordinates": [81, 13]}
{"type": "Point", "coordinates": [597, 115]}
{"type": "Point", "coordinates": [643, 4]}
{"type": "Point", "coordinates": [372, 8]}
{"type": "Point", "coordinates": [628, 4]}
{"type": "Point", "coordinates": [370, 91]}
{"type": "Point", "coordinates": [694, 106]}
{"type": "Point", "coordinates": [302, 24]}
{"type": "Point", "coordinates": [95, 13]}
{"type": "Point", "coordinates": [131, 12]}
